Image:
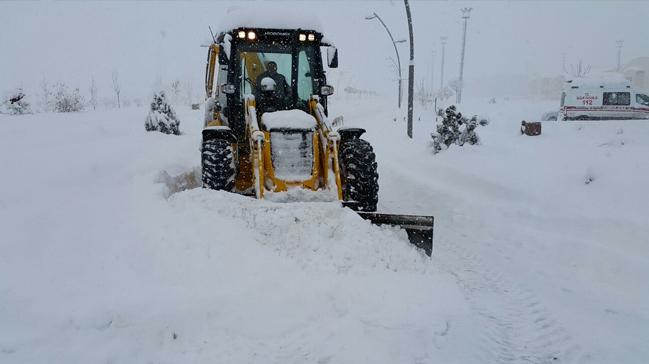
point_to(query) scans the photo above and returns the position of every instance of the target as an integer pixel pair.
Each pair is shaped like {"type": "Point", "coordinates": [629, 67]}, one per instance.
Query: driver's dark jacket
{"type": "Point", "coordinates": [282, 89]}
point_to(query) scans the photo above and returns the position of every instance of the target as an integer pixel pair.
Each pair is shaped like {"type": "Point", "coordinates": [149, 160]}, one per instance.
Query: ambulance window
{"type": "Point", "coordinates": [617, 98]}
{"type": "Point", "coordinates": [642, 99]}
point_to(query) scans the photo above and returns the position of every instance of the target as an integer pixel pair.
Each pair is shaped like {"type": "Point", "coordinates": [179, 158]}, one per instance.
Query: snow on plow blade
{"type": "Point", "coordinates": [418, 227]}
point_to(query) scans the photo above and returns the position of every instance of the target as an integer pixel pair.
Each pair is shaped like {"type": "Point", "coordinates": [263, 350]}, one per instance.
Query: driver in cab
{"type": "Point", "coordinates": [272, 86]}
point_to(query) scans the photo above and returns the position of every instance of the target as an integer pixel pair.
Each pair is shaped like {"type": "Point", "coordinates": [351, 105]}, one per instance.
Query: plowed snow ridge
{"type": "Point", "coordinates": [316, 235]}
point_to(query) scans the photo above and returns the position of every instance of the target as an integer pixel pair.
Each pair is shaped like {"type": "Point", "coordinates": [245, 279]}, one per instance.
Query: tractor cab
{"type": "Point", "coordinates": [282, 69]}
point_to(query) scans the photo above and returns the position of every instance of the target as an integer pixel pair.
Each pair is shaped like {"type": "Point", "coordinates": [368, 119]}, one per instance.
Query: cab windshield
{"type": "Point", "coordinates": [283, 73]}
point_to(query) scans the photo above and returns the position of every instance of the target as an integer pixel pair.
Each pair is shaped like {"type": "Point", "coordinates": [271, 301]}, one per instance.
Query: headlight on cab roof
{"type": "Point", "coordinates": [302, 37]}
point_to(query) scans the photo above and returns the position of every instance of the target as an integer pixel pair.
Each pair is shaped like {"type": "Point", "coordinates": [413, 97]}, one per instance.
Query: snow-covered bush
{"type": "Point", "coordinates": [468, 134]}
{"type": "Point", "coordinates": [16, 104]}
{"type": "Point", "coordinates": [65, 101]}
{"type": "Point", "coordinates": [162, 116]}
{"type": "Point", "coordinates": [456, 129]}
{"type": "Point", "coordinates": [447, 132]}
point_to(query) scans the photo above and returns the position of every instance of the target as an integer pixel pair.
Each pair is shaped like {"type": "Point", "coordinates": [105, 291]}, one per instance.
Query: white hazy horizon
{"type": "Point", "coordinates": [152, 43]}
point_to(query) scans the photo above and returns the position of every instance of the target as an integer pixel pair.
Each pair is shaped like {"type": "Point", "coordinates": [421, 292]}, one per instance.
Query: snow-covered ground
{"type": "Point", "coordinates": [107, 253]}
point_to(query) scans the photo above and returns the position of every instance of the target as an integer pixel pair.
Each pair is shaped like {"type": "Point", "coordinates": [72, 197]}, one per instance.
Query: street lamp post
{"type": "Point", "coordinates": [432, 73]}
{"type": "Point", "coordinates": [394, 43]}
{"type": "Point", "coordinates": [466, 13]}
{"type": "Point", "coordinates": [411, 68]}
{"type": "Point", "coordinates": [441, 82]}
{"type": "Point", "coordinates": [619, 44]}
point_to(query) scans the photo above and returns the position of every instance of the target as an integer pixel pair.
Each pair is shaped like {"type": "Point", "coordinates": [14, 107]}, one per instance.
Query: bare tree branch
{"type": "Point", "coordinates": [116, 87]}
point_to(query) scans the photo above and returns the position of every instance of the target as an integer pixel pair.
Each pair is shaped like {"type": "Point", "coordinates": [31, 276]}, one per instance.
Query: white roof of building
{"type": "Point", "coordinates": [640, 63]}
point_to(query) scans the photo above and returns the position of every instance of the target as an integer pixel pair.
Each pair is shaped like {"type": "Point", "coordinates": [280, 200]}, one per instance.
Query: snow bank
{"type": "Point", "coordinates": [315, 235]}
{"type": "Point", "coordinates": [132, 260]}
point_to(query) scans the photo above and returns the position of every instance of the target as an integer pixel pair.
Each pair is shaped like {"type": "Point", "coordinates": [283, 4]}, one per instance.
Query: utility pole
{"type": "Point", "coordinates": [441, 83]}
{"type": "Point", "coordinates": [432, 74]}
{"type": "Point", "coordinates": [563, 62]}
{"type": "Point", "coordinates": [411, 69]}
{"type": "Point", "coordinates": [619, 44]}
{"type": "Point", "coordinates": [394, 43]}
{"type": "Point", "coordinates": [466, 13]}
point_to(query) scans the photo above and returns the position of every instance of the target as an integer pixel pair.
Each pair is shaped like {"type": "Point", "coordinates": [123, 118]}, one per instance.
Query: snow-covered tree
{"type": "Point", "coordinates": [423, 96]}
{"type": "Point", "coordinates": [117, 88]}
{"type": "Point", "coordinates": [93, 94]}
{"type": "Point", "coordinates": [16, 103]}
{"type": "Point", "coordinates": [448, 131]}
{"type": "Point", "coordinates": [580, 70]}
{"type": "Point", "coordinates": [162, 116]}
{"type": "Point", "coordinates": [65, 101]}
{"type": "Point", "coordinates": [189, 93]}
{"type": "Point", "coordinates": [46, 96]}
{"type": "Point", "coordinates": [456, 129]}
{"type": "Point", "coordinates": [445, 93]}
{"type": "Point", "coordinates": [175, 92]}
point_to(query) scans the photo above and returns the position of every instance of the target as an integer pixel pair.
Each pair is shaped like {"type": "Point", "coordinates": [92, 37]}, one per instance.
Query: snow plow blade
{"type": "Point", "coordinates": [418, 227]}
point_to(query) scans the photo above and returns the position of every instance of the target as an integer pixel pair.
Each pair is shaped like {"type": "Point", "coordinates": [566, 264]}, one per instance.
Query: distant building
{"type": "Point", "coordinates": [547, 88]}
{"type": "Point", "coordinates": [637, 71]}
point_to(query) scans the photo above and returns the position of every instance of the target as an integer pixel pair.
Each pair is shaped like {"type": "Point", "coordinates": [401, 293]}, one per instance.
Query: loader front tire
{"type": "Point", "coordinates": [217, 165]}
{"type": "Point", "coordinates": [359, 175]}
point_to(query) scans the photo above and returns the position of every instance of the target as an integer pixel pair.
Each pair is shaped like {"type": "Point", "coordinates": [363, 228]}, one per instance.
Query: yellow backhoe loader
{"type": "Point", "coordinates": [267, 127]}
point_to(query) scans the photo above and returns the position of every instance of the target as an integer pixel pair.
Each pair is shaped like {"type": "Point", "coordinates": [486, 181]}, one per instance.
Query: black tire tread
{"type": "Point", "coordinates": [359, 174]}
{"type": "Point", "coordinates": [217, 165]}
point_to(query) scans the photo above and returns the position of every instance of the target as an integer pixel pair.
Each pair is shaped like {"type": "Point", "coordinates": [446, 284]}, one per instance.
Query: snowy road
{"type": "Point", "coordinates": [99, 252]}
{"type": "Point", "coordinates": [102, 250]}
{"type": "Point", "coordinates": [529, 260]}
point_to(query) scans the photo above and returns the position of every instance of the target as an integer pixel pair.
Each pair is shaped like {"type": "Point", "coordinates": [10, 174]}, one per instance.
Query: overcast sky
{"type": "Point", "coordinates": [151, 42]}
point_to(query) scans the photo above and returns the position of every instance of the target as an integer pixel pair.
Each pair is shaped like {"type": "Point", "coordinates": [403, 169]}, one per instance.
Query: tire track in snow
{"type": "Point", "coordinates": [516, 326]}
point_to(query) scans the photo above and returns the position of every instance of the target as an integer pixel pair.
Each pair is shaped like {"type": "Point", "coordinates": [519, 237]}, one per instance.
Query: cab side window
{"type": "Point", "coordinates": [305, 82]}
{"type": "Point", "coordinates": [617, 98]}
{"type": "Point", "coordinates": [642, 99]}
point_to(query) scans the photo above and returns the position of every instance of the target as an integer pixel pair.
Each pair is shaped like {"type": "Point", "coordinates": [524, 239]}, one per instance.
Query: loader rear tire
{"type": "Point", "coordinates": [217, 165]}
{"type": "Point", "coordinates": [359, 175]}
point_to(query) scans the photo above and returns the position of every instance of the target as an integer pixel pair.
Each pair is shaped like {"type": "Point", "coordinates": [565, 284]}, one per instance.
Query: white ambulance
{"type": "Point", "coordinates": [602, 100]}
